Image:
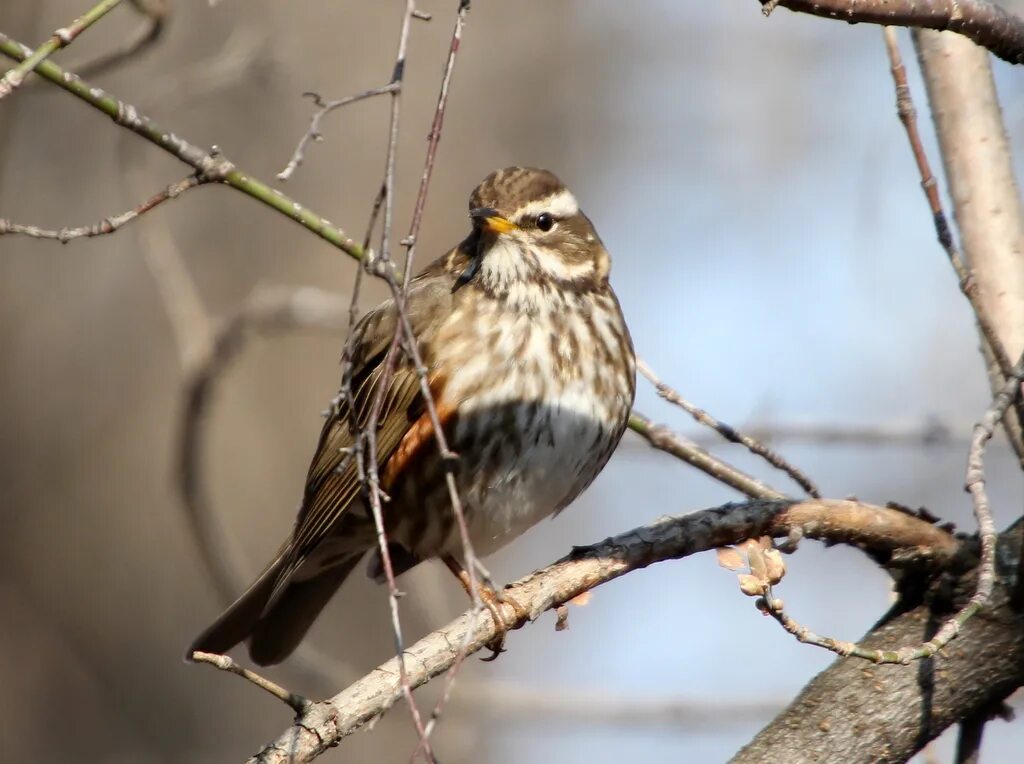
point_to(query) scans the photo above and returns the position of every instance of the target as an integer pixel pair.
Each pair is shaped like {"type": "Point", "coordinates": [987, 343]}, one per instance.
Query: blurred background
{"type": "Point", "coordinates": [774, 257]}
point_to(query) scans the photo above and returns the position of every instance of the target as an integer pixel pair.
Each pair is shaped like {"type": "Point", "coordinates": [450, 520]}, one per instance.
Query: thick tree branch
{"type": "Point", "coordinates": [986, 23]}
{"type": "Point", "coordinates": [857, 712]}
{"type": "Point", "coordinates": [885, 532]}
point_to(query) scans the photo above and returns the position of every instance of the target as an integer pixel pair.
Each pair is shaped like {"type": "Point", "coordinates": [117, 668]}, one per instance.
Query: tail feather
{"type": "Point", "coordinates": [275, 631]}
{"type": "Point", "coordinates": [281, 628]}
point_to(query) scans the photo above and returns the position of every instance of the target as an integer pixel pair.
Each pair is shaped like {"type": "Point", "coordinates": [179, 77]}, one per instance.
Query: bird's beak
{"type": "Point", "coordinates": [490, 220]}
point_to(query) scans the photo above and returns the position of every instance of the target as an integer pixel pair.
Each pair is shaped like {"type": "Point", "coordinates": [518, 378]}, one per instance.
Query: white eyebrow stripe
{"type": "Point", "coordinates": [561, 204]}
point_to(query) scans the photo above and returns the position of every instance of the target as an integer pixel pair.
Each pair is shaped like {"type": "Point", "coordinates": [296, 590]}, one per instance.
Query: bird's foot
{"type": "Point", "coordinates": [493, 601]}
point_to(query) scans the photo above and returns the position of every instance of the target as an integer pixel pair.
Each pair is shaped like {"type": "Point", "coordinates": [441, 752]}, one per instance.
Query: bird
{"type": "Point", "coordinates": [530, 365]}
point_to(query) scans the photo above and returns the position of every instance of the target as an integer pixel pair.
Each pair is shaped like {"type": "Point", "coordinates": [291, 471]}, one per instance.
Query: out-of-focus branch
{"type": "Point", "coordinates": [986, 23]}
{"type": "Point", "coordinates": [506, 700]}
{"type": "Point", "coordinates": [927, 433]}
{"type": "Point", "coordinates": [266, 310]}
{"type": "Point", "coordinates": [59, 39]}
{"type": "Point", "coordinates": [211, 166]}
{"type": "Point", "coordinates": [856, 712]}
{"type": "Point", "coordinates": [986, 203]}
{"type": "Point", "coordinates": [107, 225]}
{"type": "Point", "coordinates": [883, 531]}
{"type": "Point", "coordinates": [146, 35]}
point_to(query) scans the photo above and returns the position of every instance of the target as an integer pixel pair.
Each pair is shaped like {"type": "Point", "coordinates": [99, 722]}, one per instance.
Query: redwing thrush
{"type": "Point", "coordinates": [532, 372]}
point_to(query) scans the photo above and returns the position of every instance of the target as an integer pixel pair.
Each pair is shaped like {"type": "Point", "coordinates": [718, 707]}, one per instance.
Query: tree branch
{"type": "Point", "coordinates": [59, 39]}
{"type": "Point", "coordinates": [885, 532]}
{"type": "Point", "coordinates": [856, 712]}
{"type": "Point", "coordinates": [986, 23]}
{"type": "Point", "coordinates": [211, 166]}
{"type": "Point", "coordinates": [106, 225]}
{"type": "Point", "coordinates": [986, 200]}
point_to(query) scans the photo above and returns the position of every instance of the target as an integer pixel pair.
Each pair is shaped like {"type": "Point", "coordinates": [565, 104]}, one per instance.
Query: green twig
{"type": "Point", "coordinates": [62, 37]}
{"type": "Point", "coordinates": [211, 166]}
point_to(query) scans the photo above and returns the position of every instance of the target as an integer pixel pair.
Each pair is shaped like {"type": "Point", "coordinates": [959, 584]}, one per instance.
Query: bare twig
{"type": "Point", "coordinates": [664, 439]}
{"type": "Point", "coordinates": [984, 22]}
{"type": "Point", "coordinates": [59, 39]}
{"type": "Point", "coordinates": [107, 225]}
{"type": "Point", "coordinates": [974, 482]}
{"type": "Point", "coordinates": [224, 663]}
{"type": "Point", "coordinates": [727, 432]}
{"type": "Point", "coordinates": [908, 116]}
{"type": "Point", "coordinates": [210, 165]}
{"type": "Point", "coordinates": [472, 562]}
{"type": "Point", "coordinates": [324, 724]}
{"type": "Point", "coordinates": [323, 109]}
{"type": "Point", "coordinates": [382, 266]}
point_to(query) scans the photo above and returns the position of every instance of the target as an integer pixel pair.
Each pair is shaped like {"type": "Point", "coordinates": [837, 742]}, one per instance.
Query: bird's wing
{"type": "Point", "coordinates": [333, 480]}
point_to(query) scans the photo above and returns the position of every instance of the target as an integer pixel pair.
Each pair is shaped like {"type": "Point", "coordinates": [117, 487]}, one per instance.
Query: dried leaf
{"type": "Point", "coordinates": [750, 585]}
{"type": "Point", "coordinates": [755, 556]}
{"type": "Point", "coordinates": [776, 566]}
{"type": "Point", "coordinates": [729, 557]}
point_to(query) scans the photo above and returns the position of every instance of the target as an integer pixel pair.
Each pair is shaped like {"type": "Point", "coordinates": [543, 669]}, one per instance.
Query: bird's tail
{"type": "Point", "coordinates": [275, 631]}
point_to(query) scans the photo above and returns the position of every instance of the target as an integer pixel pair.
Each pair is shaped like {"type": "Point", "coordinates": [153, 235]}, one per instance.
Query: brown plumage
{"type": "Point", "coordinates": [532, 371]}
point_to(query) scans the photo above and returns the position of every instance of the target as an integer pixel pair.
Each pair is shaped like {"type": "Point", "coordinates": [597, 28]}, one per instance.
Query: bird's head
{"type": "Point", "coordinates": [528, 230]}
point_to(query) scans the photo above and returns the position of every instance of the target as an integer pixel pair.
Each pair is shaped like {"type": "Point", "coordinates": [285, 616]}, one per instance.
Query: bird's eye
{"type": "Point", "coordinates": [545, 222]}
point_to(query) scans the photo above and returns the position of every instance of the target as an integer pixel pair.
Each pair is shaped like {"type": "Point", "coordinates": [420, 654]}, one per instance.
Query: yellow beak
{"type": "Point", "coordinates": [489, 220]}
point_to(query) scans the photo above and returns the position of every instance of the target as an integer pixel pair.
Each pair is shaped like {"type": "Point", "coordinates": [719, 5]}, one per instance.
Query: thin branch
{"type": "Point", "coordinates": [107, 225]}
{"type": "Point", "coordinates": [975, 485]}
{"type": "Point", "coordinates": [985, 23]}
{"type": "Point", "coordinates": [224, 663]}
{"type": "Point", "coordinates": [908, 116]}
{"type": "Point", "coordinates": [664, 439]}
{"type": "Point", "coordinates": [473, 564]}
{"type": "Point", "coordinates": [324, 108]}
{"type": "Point", "coordinates": [325, 723]}
{"type": "Point", "coordinates": [729, 433]}
{"type": "Point", "coordinates": [369, 470]}
{"type": "Point", "coordinates": [211, 166]}
{"type": "Point", "coordinates": [61, 38]}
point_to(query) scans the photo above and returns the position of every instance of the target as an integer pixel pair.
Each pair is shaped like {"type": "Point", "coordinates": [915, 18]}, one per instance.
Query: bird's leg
{"type": "Point", "coordinates": [492, 600]}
